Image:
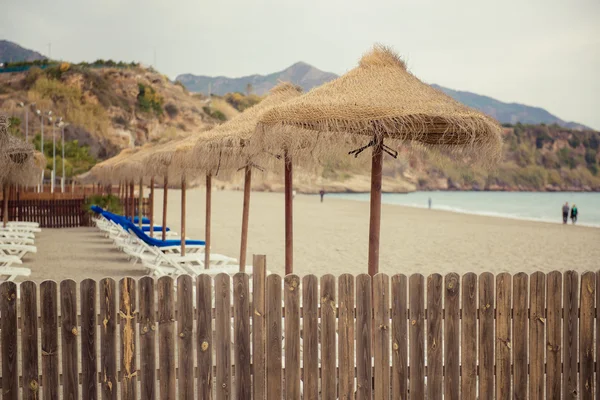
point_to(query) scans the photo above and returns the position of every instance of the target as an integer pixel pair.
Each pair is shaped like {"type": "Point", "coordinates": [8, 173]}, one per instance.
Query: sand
{"type": "Point", "coordinates": [331, 238]}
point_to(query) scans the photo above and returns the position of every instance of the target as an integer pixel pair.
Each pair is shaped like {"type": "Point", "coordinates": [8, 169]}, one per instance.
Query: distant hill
{"type": "Point", "coordinates": [309, 77]}
{"type": "Point", "coordinates": [301, 74]}
{"type": "Point", "coordinates": [12, 52]}
{"type": "Point", "coordinates": [509, 113]}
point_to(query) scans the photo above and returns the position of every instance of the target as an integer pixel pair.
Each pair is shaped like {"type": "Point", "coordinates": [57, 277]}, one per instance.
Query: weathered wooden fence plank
{"type": "Point", "coordinates": [328, 343]}
{"type": "Point", "coordinates": [127, 312]}
{"type": "Point", "coordinates": [399, 337]}
{"type": "Point", "coordinates": [416, 336]}
{"type": "Point", "coordinates": [185, 342]}
{"type": "Point", "coordinates": [486, 336]}
{"type": "Point", "coordinates": [570, 325]}
{"type": "Point", "coordinates": [346, 336]}
{"type": "Point", "coordinates": [241, 329]}
{"type": "Point", "coordinates": [223, 335]}
{"type": "Point", "coordinates": [8, 334]}
{"type": "Point", "coordinates": [435, 372]}
{"type": "Point", "coordinates": [166, 338]}
{"type": "Point", "coordinates": [108, 339]}
{"type": "Point", "coordinates": [273, 320]}
{"type": "Point", "coordinates": [381, 342]}
{"type": "Point", "coordinates": [503, 337]}
{"type": "Point", "coordinates": [537, 325]}
{"type": "Point", "coordinates": [586, 338]}
{"type": "Point", "coordinates": [147, 319]}
{"type": "Point", "coordinates": [204, 341]}
{"type": "Point", "coordinates": [259, 343]}
{"type": "Point", "coordinates": [364, 336]}
{"type": "Point", "coordinates": [49, 321]}
{"type": "Point", "coordinates": [519, 348]}
{"type": "Point", "coordinates": [553, 337]}
{"type": "Point", "coordinates": [310, 337]}
{"type": "Point", "coordinates": [89, 368]}
{"type": "Point", "coordinates": [69, 332]}
{"type": "Point", "coordinates": [452, 337]}
{"type": "Point", "coordinates": [29, 338]}
{"type": "Point", "coordinates": [292, 336]}
{"type": "Point", "coordinates": [598, 335]}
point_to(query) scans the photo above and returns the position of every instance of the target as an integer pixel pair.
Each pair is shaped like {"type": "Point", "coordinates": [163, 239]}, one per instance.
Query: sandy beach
{"type": "Point", "coordinates": [331, 238]}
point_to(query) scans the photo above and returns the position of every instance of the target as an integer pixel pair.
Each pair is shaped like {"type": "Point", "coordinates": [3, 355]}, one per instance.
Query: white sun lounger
{"type": "Point", "coordinates": [16, 240]}
{"type": "Point", "coordinates": [18, 250]}
{"type": "Point", "coordinates": [24, 223]}
{"type": "Point", "coordinates": [17, 228]}
{"type": "Point", "coordinates": [12, 234]}
{"type": "Point", "coordinates": [6, 268]}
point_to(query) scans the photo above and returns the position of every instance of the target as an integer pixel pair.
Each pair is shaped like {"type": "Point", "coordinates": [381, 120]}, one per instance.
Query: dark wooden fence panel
{"type": "Point", "coordinates": [535, 339]}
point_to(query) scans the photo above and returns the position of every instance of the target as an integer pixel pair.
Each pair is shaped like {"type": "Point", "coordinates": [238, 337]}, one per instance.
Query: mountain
{"type": "Point", "coordinates": [12, 52]}
{"type": "Point", "coordinates": [301, 74]}
{"type": "Point", "coordinates": [508, 113]}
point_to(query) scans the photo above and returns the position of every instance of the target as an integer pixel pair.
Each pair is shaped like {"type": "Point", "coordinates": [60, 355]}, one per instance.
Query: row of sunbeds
{"type": "Point", "coordinates": [17, 240]}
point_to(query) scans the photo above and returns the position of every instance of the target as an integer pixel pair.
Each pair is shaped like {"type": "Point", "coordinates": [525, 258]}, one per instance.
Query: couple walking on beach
{"type": "Point", "coordinates": [574, 212]}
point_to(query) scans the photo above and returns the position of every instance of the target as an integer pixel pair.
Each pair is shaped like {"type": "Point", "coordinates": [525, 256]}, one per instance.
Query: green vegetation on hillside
{"type": "Point", "coordinates": [77, 158]}
{"type": "Point", "coordinates": [240, 101]}
{"type": "Point", "coordinates": [148, 100]}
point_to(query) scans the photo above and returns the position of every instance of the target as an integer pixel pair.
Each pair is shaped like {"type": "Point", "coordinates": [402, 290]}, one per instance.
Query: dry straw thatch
{"type": "Point", "coordinates": [381, 99]}
{"type": "Point", "coordinates": [104, 172]}
{"type": "Point", "coordinates": [18, 159]}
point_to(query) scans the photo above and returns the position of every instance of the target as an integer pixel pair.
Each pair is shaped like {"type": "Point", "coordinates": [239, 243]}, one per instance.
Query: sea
{"type": "Point", "coordinates": [530, 206]}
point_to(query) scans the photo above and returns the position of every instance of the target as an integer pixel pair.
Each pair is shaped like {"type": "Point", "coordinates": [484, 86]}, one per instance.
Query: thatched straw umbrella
{"type": "Point", "coordinates": [381, 100]}
{"type": "Point", "coordinates": [225, 148]}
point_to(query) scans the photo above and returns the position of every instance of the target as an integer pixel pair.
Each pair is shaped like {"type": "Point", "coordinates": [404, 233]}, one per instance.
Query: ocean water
{"type": "Point", "coordinates": [543, 206]}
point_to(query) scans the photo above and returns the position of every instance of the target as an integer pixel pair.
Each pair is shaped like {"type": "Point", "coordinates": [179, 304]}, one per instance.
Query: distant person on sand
{"type": "Point", "coordinates": [565, 211]}
{"type": "Point", "coordinates": [322, 193]}
{"type": "Point", "coordinates": [574, 213]}
{"type": "Point", "coordinates": [429, 203]}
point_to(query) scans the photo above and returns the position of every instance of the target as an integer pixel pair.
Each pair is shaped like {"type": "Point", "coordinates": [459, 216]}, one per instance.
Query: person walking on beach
{"type": "Point", "coordinates": [574, 213]}
{"type": "Point", "coordinates": [322, 193]}
{"type": "Point", "coordinates": [565, 211]}
{"type": "Point", "coordinates": [430, 203]}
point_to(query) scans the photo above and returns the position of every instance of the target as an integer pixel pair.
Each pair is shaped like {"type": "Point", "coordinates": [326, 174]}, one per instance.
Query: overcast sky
{"type": "Point", "coordinates": [541, 53]}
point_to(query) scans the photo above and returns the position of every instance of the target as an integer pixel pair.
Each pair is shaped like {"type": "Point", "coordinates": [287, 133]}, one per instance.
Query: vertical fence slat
{"type": "Point", "coordinates": [537, 324]}
{"type": "Point", "coordinates": [434, 337]}
{"type": "Point", "coordinates": [310, 337]}
{"type": "Point", "coordinates": [519, 347]}
{"type": "Point", "coordinates": [147, 318]}
{"type": "Point", "coordinates": [241, 306]}
{"type": "Point", "coordinates": [69, 332]}
{"type": "Point", "coordinates": [259, 346]}
{"type": "Point", "coordinates": [586, 332]}
{"type": "Point", "coordinates": [108, 339]}
{"type": "Point", "coordinates": [346, 336]}
{"type": "Point", "coordinates": [598, 335]}
{"type": "Point", "coordinates": [416, 336]}
{"type": "Point", "coordinates": [127, 312]}
{"type": "Point", "coordinates": [185, 342]}
{"type": "Point", "coordinates": [553, 338]}
{"type": "Point", "coordinates": [570, 325]}
{"type": "Point", "coordinates": [451, 337]}
{"type": "Point", "coordinates": [223, 335]}
{"type": "Point", "coordinates": [29, 340]}
{"type": "Point", "coordinates": [328, 344]}
{"type": "Point", "coordinates": [166, 338]}
{"type": "Point", "coordinates": [399, 337]}
{"type": "Point", "coordinates": [364, 324]}
{"type": "Point", "coordinates": [486, 336]}
{"type": "Point", "coordinates": [8, 310]}
{"type": "Point", "coordinates": [89, 369]}
{"type": "Point", "coordinates": [292, 336]}
{"type": "Point", "coordinates": [273, 317]}
{"type": "Point", "coordinates": [204, 346]}
{"type": "Point", "coordinates": [503, 337]}
{"type": "Point", "coordinates": [381, 343]}
{"type": "Point", "coordinates": [49, 321]}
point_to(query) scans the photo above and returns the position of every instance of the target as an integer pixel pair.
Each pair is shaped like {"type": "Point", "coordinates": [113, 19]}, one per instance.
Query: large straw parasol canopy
{"type": "Point", "coordinates": [18, 159]}
{"type": "Point", "coordinates": [382, 100]}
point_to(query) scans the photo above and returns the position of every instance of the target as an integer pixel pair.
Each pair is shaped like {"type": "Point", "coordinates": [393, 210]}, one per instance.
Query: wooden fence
{"type": "Point", "coordinates": [469, 337]}
{"type": "Point", "coordinates": [57, 213]}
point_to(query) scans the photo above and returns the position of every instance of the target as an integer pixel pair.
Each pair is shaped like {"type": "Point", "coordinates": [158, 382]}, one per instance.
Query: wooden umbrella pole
{"type": "Point", "coordinates": [132, 198]}
{"type": "Point", "coordinates": [183, 215]}
{"type": "Point", "coordinates": [152, 206]}
{"type": "Point", "coordinates": [245, 214]}
{"type": "Point", "coordinates": [141, 203]}
{"type": "Point", "coordinates": [125, 200]}
{"type": "Point", "coordinates": [164, 216]}
{"type": "Point", "coordinates": [289, 216]}
{"type": "Point", "coordinates": [207, 221]}
{"type": "Point", "coordinates": [375, 218]}
{"type": "Point", "coordinates": [5, 204]}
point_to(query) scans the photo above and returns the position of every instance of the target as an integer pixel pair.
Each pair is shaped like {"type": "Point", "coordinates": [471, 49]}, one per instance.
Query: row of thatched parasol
{"type": "Point", "coordinates": [378, 101]}
{"type": "Point", "coordinates": [20, 164]}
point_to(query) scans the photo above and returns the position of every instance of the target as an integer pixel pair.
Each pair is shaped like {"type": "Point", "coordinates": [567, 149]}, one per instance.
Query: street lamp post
{"type": "Point", "coordinates": [62, 181]}
{"type": "Point", "coordinates": [41, 114]}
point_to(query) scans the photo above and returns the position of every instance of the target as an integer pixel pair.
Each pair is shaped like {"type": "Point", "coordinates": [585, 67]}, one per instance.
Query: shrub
{"type": "Point", "coordinates": [574, 142]}
{"type": "Point", "coordinates": [109, 203]}
{"type": "Point", "coordinates": [148, 100]}
{"type": "Point", "coordinates": [32, 76]}
{"type": "Point", "coordinates": [15, 126]}
{"type": "Point", "coordinates": [172, 110]}
{"type": "Point", "coordinates": [215, 114]}
{"type": "Point", "coordinates": [590, 156]}
{"type": "Point", "coordinates": [178, 83]}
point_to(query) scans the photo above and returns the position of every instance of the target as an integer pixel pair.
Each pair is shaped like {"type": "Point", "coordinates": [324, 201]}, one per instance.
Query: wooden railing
{"type": "Point", "coordinates": [56, 213]}
{"type": "Point", "coordinates": [470, 337]}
